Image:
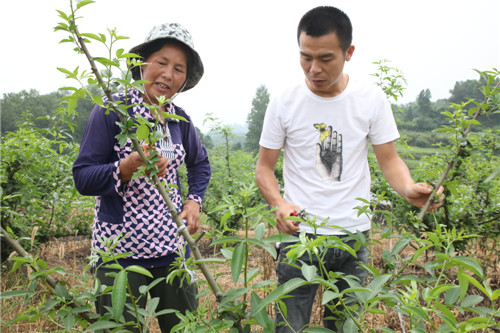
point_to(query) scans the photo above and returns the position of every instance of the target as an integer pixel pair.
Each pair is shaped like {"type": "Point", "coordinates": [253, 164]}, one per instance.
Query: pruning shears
{"type": "Point", "coordinates": [300, 214]}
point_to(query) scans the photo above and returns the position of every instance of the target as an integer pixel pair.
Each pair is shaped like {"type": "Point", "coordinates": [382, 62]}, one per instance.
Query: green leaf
{"type": "Point", "coordinates": [266, 246]}
{"type": "Point", "coordinates": [60, 291]}
{"type": "Point", "coordinates": [81, 3]}
{"type": "Point", "coordinates": [211, 261]}
{"type": "Point", "coordinates": [469, 263]}
{"type": "Point", "coordinates": [49, 305]}
{"type": "Point", "coordinates": [119, 294]}
{"type": "Point", "coordinates": [16, 293]}
{"type": "Point", "coordinates": [400, 245]}
{"type": "Point", "coordinates": [234, 293]}
{"type": "Point", "coordinates": [349, 326]}
{"type": "Point", "coordinates": [102, 325]}
{"type": "Point", "coordinates": [447, 316]}
{"type": "Point", "coordinates": [174, 116]}
{"type": "Point", "coordinates": [260, 231]}
{"type": "Point", "coordinates": [19, 261]}
{"type": "Point", "coordinates": [317, 330]}
{"type": "Point", "coordinates": [495, 294]}
{"type": "Point", "coordinates": [98, 100]}
{"type": "Point", "coordinates": [226, 240]}
{"type": "Point", "coordinates": [142, 132]}
{"type": "Point", "coordinates": [283, 238]}
{"type": "Point", "coordinates": [237, 261]}
{"type": "Point", "coordinates": [42, 264]}
{"type": "Point", "coordinates": [328, 296]}
{"type": "Point", "coordinates": [309, 272]}
{"type": "Point", "coordinates": [415, 311]}
{"type": "Point", "coordinates": [438, 290]}
{"type": "Point", "coordinates": [452, 295]}
{"type": "Point", "coordinates": [278, 293]}
{"type": "Point", "coordinates": [139, 269]}
{"type": "Point", "coordinates": [377, 284]}
{"type": "Point", "coordinates": [475, 283]}
{"type": "Point", "coordinates": [471, 300]}
{"type": "Point", "coordinates": [262, 316]}
{"type": "Point", "coordinates": [152, 305]}
{"type": "Point", "coordinates": [69, 322]}
{"type": "Point", "coordinates": [91, 36]}
{"type": "Point", "coordinates": [64, 71]}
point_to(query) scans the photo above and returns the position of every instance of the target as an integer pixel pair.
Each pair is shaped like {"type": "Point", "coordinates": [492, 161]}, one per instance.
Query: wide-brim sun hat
{"type": "Point", "coordinates": [177, 32]}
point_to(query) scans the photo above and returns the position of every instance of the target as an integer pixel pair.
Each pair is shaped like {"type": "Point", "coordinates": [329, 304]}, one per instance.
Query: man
{"type": "Point", "coordinates": [324, 125]}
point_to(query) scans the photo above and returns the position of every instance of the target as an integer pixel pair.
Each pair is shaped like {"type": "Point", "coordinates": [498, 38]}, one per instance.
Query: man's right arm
{"type": "Point", "coordinates": [269, 187]}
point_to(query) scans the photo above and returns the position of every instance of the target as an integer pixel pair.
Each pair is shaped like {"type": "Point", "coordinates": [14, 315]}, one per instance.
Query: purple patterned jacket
{"type": "Point", "coordinates": [136, 208]}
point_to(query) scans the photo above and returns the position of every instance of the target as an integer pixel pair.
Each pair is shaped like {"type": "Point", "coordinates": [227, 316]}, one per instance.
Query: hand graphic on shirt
{"type": "Point", "coordinates": [329, 156]}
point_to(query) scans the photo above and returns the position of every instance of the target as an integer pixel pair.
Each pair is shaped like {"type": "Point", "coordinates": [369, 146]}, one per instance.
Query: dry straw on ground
{"type": "Point", "coordinates": [71, 254]}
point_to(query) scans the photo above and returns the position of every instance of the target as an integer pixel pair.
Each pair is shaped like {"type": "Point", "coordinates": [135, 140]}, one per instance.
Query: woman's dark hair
{"type": "Point", "coordinates": [148, 49]}
{"type": "Point", "coordinates": [323, 20]}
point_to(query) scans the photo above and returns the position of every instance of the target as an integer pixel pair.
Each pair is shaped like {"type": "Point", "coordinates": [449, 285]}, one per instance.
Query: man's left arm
{"type": "Point", "coordinates": [398, 175]}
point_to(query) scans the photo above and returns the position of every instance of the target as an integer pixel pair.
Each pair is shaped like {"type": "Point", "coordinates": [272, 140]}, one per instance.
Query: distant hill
{"type": "Point", "coordinates": [239, 133]}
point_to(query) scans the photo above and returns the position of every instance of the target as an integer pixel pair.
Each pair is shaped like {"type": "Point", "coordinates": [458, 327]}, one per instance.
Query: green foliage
{"type": "Point", "coordinates": [390, 79]}
{"type": "Point", "coordinates": [232, 202]}
{"type": "Point", "coordinates": [38, 194]}
{"type": "Point", "coordinates": [14, 105]}
{"type": "Point", "coordinates": [255, 119]}
{"type": "Point", "coordinates": [469, 158]}
{"type": "Point", "coordinates": [223, 188]}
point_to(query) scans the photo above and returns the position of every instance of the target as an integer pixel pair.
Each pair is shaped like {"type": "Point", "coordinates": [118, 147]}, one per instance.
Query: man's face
{"type": "Point", "coordinates": [322, 61]}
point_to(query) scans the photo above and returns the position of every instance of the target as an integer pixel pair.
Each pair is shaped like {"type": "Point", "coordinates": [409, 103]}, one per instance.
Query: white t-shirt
{"type": "Point", "coordinates": [325, 143]}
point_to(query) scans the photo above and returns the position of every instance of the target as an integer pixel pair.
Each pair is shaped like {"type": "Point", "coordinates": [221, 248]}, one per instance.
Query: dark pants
{"type": "Point", "coordinates": [171, 295]}
{"type": "Point", "coordinates": [299, 304]}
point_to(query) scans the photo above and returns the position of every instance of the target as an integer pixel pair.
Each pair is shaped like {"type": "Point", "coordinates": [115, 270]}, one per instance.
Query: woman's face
{"type": "Point", "coordinates": [166, 71]}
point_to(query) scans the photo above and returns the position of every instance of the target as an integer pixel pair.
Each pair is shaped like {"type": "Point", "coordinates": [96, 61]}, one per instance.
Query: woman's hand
{"type": "Point", "coordinates": [130, 164]}
{"type": "Point", "coordinates": [191, 212]}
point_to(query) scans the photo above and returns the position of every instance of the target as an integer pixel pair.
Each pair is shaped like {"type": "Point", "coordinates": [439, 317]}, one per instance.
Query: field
{"type": "Point", "coordinates": [71, 254]}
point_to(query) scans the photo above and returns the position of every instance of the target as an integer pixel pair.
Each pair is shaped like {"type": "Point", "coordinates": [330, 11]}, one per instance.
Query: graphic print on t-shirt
{"type": "Point", "coordinates": [329, 153]}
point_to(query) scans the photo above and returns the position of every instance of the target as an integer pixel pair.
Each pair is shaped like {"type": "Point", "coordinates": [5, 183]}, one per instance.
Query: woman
{"type": "Point", "coordinates": [135, 208]}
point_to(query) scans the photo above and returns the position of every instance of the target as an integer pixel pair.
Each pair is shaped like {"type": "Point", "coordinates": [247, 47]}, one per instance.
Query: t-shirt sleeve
{"type": "Point", "coordinates": [383, 127]}
{"type": "Point", "coordinates": [273, 132]}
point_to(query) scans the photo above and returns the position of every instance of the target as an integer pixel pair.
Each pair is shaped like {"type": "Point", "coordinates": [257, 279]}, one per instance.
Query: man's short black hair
{"type": "Point", "coordinates": [323, 20]}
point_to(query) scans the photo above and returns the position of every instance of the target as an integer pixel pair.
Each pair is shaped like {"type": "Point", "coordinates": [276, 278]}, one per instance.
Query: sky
{"type": "Point", "coordinates": [245, 44]}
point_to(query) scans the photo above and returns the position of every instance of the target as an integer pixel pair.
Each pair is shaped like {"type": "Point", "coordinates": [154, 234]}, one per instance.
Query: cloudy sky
{"type": "Point", "coordinates": [245, 44]}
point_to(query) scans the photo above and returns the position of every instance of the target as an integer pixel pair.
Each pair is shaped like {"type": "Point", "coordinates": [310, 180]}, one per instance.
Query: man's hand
{"type": "Point", "coordinates": [191, 212]}
{"type": "Point", "coordinates": [284, 210]}
{"type": "Point", "coordinates": [329, 156]}
{"type": "Point", "coordinates": [419, 193]}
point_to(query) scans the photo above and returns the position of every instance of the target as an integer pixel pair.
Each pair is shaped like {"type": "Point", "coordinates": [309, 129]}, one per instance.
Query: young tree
{"type": "Point", "coordinates": [255, 118]}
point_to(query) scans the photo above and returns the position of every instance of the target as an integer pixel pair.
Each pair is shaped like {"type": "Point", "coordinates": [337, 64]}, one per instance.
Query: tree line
{"type": "Point", "coordinates": [414, 118]}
